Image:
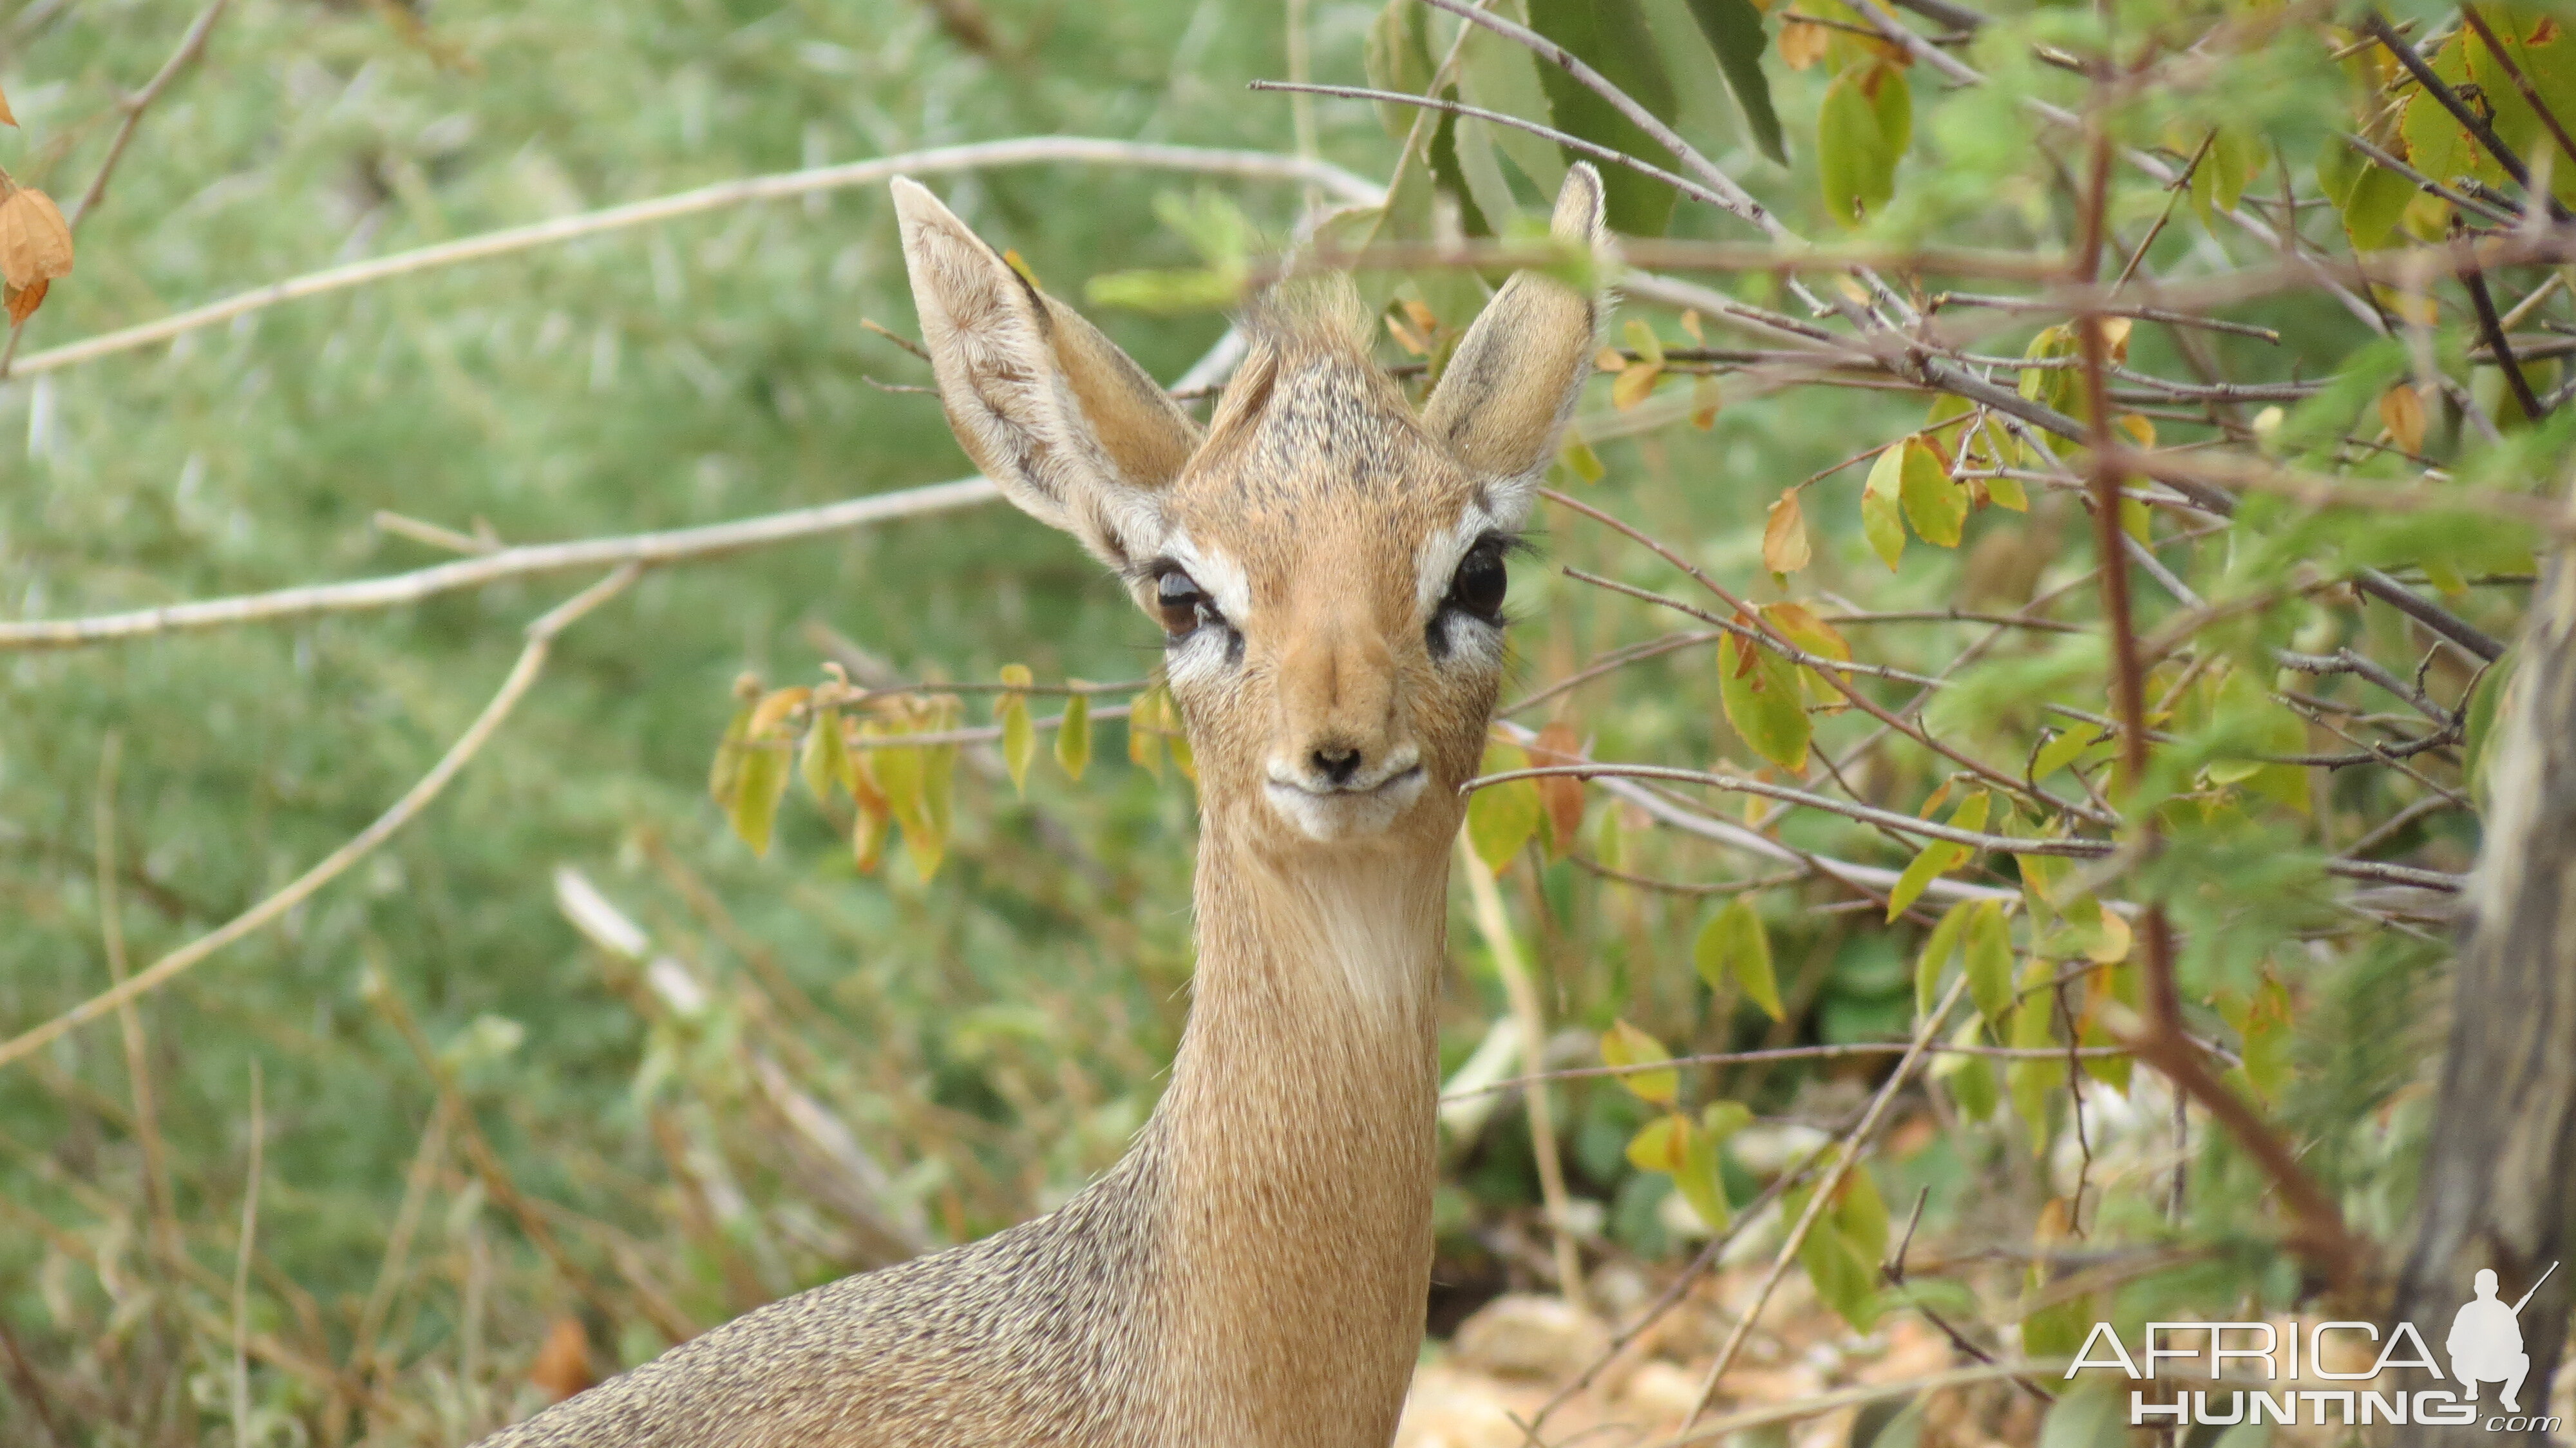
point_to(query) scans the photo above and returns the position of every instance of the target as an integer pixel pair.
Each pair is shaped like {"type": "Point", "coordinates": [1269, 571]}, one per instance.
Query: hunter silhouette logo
{"type": "Point", "coordinates": [2486, 1341]}
{"type": "Point", "coordinates": [2485, 1346]}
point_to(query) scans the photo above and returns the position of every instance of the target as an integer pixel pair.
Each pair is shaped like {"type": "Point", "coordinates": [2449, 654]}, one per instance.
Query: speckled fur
{"type": "Point", "coordinates": [1253, 1273]}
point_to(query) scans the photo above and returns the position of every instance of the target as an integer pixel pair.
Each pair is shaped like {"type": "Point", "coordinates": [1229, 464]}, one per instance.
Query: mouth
{"type": "Point", "coordinates": [1347, 811]}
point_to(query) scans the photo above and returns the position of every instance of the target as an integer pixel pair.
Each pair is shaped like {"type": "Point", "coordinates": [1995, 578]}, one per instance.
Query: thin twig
{"type": "Point", "coordinates": [1822, 1196]}
{"type": "Point", "coordinates": [129, 1021]}
{"type": "Point", "coordinates": [1792, 1053]}
{"type": "Point", "coordinates": [2144, 314]}
{"type": "Point", "coordinates": [1576, 144]}
{"type": "Point", "coordinates": [394, 590]}
{"type": "Point", "coordinates": [523, 675]}
{"type": "Point", "coordinates": [1025, 150]}
{"type": "Point", "coordinates": [191, 46]}
{"type": "Point", "coordinates": [1496, 928]}
{"type": "Point", "coordinates": [2498, 347]}
{"type": "Point", "coordinates": [241, 1267]}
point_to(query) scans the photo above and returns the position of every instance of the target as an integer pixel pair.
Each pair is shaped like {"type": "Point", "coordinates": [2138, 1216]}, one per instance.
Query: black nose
{"type": "Point", "coordinates": [1337, 765]}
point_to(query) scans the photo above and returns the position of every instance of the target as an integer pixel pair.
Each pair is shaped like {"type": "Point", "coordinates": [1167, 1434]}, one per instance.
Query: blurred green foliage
{"type": "Point", "coordinates": [992, 1036]}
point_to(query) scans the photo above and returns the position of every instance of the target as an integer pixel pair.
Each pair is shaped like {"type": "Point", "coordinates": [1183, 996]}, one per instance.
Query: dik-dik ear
{"type": "Point", "coordinates": [1503, 401]}
{"type": "Point", "coordinates": [1069, 426]}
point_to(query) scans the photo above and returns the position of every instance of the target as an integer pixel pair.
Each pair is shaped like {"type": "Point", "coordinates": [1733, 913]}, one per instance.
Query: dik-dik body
{"type": "Point", "coordinates": [1327, 566]}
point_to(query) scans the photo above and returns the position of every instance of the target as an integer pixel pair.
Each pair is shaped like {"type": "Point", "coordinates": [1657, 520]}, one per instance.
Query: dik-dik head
{"type": "Point", "coordinates": [1326, 564]}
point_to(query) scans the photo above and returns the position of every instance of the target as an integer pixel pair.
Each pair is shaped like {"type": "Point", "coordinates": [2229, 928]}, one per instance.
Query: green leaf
{"type": "Point", "coordinates": [2091, 1416]}
{"type": "Point", "coordinates": [1660, 1144]}
{"type": "Point", "coordinates": [1845, 1279]}
{"type": "Point", "coordinates": [1880, 519]}
{"type": "Point", "coordinates": [1860, 1213]}
{"type": "Point", "coordinates": [2478, 731]}
{"type": "Point", "coordinates": [1722, 1119]}
{"type": "Point", "coordinates": [1759, 691]}
{"type": "Point", "coordinates": [1934, 504]}
{"type": "Point", "coordinates": [1019, 736]}
{"type": "Point", "coordinates": [2034, 1081]}
{"type": "Point", "coordinates": [2372, 203]}
{"type": "Point", "coordinates": [1862, 130]}
{"type": "Point", "coordinates": [1611, 36]}
{"type": "Point", "coordinates": [724, 776]}
{"type": "Point", "coordinates": [1502, 76]}
{"type": "Point", "coordinates": [1502, 817]}
{"type": "Point", "coordinates": [1990, 962]}
{"type": "Point", "coordinates": [761, 783]}
{"type": "Point", "coordinates": [1939, 857]}
{"type": "Point", "coordinates": [1579, 458]}
{"type": "Point", "coordinates": [1073, 737]}
{"type": "Point", "coordinates": [825, 762]}
{"type": "Point", "coordinates": [1971, 1078]}
{"type": "Point", "coordinates": [1397, 58]}
{"type": "Point", "coordinates": [1733, 945]}
{"type": "Point", "coordinates": [1938, 948]}
{"type": "Point", "coordinates": [1734, 31]}
{"type": "Point", "coordinates": [1626, 1045]}
{"type": "Point", "coordinates": [2062, 751]}
{"type": "Point", "coordinates": [1700, 1181]}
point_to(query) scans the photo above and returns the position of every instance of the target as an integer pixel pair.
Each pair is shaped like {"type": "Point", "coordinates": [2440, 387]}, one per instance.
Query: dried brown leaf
{"type": "Point", "coordinates": [23, 302]}
{"type": "Point", "coordinates": [35, 243]}
{"type": "Point", "coordinates": [1784, 537]}
{"type": "Point", "coordinates": [562, 1367]}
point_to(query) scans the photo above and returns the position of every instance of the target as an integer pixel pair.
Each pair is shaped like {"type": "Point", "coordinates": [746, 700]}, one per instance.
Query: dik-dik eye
{"type": "Point", "coordinates": [1481, 581]}
{"type": "Point", "coordinates": [1182, 604]}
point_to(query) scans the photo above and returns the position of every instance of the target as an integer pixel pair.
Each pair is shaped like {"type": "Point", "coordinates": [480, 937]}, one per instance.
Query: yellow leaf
{"type": "Point", "coordinates": [2401, 411]}
{"type": "Point", "coordinates": [1704, 402]}
{"type": "Point", "coordinates": [1802, 44]}
{"type": "Point", "coordinates": [1690, 325]}
{"type": "Point", "coordinates": [1019, 737]}
{"type": "Point", "coordinates": [2115, 338]}
{"type": "Point", "coordinates": [867, 839]}
{"type": "Point", "coordinates": [1660, 1145]}
{"type": "Point", "coordinates": [1880, 520]}
{"type": "Point", "coordinates": [826, 760]}
{"type": "Point", "coordinates": [1502, 817]}
{"type": "Point", "coordinates": [1625, 1045]}
{"type": "Point", "coordinates": [1635, 385]}
{"type": "Point", "coordinates": [1608, 359]}
{"type": "Point", "coordinates": [1784, 536]}
{"type": "Point", "coordinates": [755, 801]}
{"type": "Point", "coordinates": [1642, 339]}
{"type": "Point", "coordinates": [1579, 458]}
{"type": "Point", "coordinates": [1073, 737]}
{"type": "Point", "coordinates": [773, 709]}
{"type": "Point", "coordinates": [1145, 731]}
{"type": "Point", "coordinates": [7, 117]}
{"type": "Point", "coordinates": [725, 775]}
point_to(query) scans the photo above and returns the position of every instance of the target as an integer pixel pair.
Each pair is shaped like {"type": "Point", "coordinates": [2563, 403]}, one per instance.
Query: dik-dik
{"type": "Point", "coordinates": [1327, 566]}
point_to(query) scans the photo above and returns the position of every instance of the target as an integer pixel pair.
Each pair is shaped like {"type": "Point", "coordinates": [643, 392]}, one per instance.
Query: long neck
{"type": "Point", "coordinates": [1300, 1139]}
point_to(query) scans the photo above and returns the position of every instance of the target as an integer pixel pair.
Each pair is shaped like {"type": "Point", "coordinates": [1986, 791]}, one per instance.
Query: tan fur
{"type": "Point", "coordinates": [1253, 1273]}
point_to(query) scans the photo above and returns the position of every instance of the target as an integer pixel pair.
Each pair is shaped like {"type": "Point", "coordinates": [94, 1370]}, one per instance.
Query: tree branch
{"type": "Point", "coordinates": [1025, 150]}
{"type": "Point", "coordinates": [541, 635]}
{"type": "Point", "coordinates": [678, 545]}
